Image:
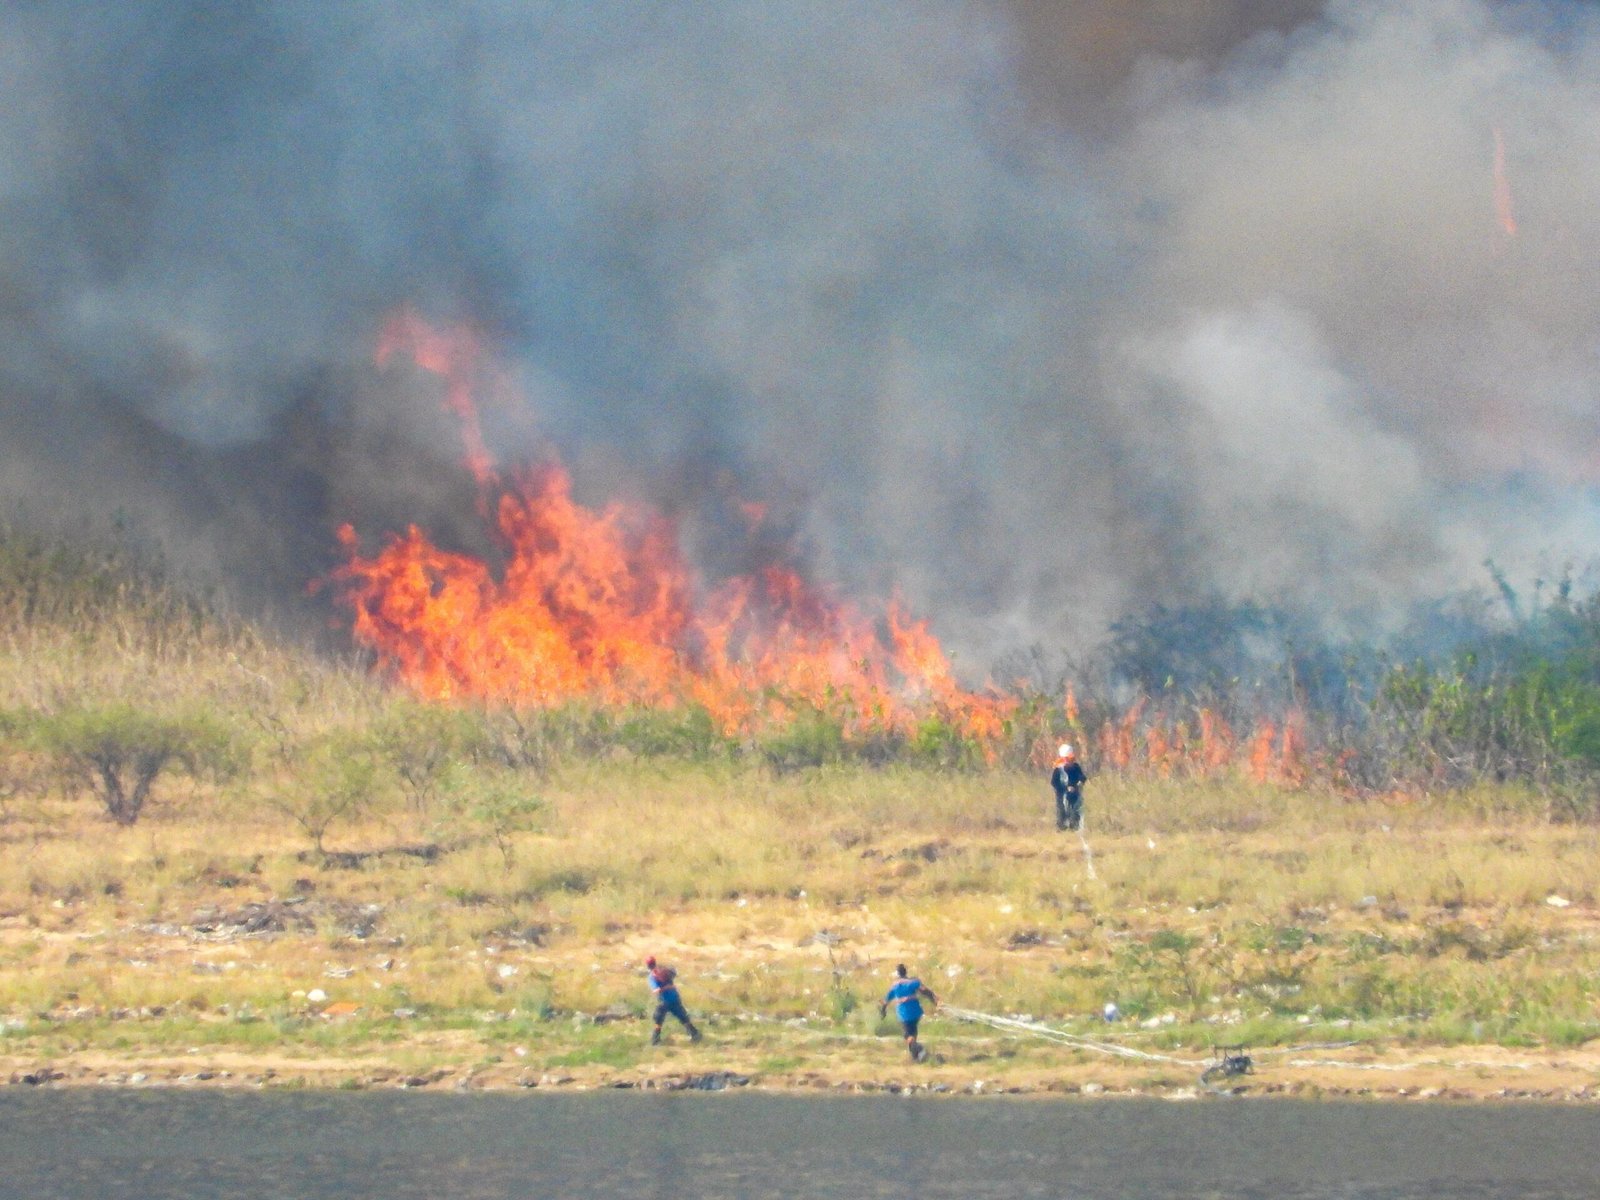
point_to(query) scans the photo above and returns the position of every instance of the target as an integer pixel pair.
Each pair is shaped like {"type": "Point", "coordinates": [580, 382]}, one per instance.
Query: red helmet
{"type": "Point", "coordinates": [651, 961]}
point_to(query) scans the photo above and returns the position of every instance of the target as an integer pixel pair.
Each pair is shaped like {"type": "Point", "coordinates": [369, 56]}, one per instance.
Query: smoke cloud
{"type": "Point", "coordinates": [1036, 313]}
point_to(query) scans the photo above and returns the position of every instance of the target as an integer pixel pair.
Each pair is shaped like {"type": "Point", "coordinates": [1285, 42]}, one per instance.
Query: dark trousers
{"type": "Point", "coordinates": [1069, 808]}
{"type": "Point", "coordinates": [674, 1006]}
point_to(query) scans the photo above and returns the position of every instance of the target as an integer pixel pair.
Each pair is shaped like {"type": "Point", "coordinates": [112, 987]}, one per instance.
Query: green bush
{"type": "Point", "coordinates": [335, 777]}
{"type": "Point", "coordinates": [686, 732]}
{"type": "Point", "coordinates": [117, 752]}
{"type": "Point", "coordinates": [421, 741]}
{"type": "Point", "coordinates": [17, 773]}
{"type": "Point", "coordinates": [812, 739]}
{"type": "Point", "coordinates": [939, 743]}
{"type": "Point", "coordinates": [491, 802]}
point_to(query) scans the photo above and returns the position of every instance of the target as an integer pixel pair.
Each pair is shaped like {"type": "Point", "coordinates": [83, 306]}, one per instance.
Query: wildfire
{"type": "Point", "coordinates": [457, 357]}
{"type": "Point", "coordinates": [603, 606]}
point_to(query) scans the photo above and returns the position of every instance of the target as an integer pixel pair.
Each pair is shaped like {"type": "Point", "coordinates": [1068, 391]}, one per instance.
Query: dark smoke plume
{"type": "Point", "coordinates": [1038, 313]}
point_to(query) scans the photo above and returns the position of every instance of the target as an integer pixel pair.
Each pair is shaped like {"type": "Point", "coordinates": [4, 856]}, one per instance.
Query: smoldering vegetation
{"type": "Point", "coordinates": [123, 680]}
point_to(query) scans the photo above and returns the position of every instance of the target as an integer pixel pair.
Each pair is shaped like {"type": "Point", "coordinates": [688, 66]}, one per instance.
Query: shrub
{"type": "Point", "coordinates": [939, 743]}
{"type": "Point", "coordinates": [538, 740]}
{"type": "Point", "coordinates": [496, 802]}
{"type": "Point", "coordinates": [334, 777]}
{"type": "Point", "coordinates": [421, 741]}
{"type": "Point", "coordinates": [17, 773]}
{"type": "Point", "coordinates": [686, 732]}
{"type": "Point", "coordinates": [812, 739]}
{"type": "Point", "coordinates": [118, 751]}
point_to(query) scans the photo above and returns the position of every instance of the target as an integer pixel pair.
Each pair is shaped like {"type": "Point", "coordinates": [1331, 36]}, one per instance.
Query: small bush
{"type": "Point", "coordinates": [18, 773]}
{"type": "Point", "coordinates": [939, 743]}
{"type": "Point", "coordinates": [117, 752]}
{"type": "Point", "coordinates": [421, 741]}
{"type": "Point", "coordinates": [688, 732]}
{"type": "Point", "coordinates": [541, 739]}
{"type": "Point", "coordinates": [813, 739]}
{"type": "Point", "coordinates": [492, 803]}
{"type": "Point", "coordinates": [335, 778]}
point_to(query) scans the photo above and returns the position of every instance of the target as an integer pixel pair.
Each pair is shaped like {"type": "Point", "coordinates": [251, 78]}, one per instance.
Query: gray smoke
{"type": "Point", "coordinates": [1034, 313]}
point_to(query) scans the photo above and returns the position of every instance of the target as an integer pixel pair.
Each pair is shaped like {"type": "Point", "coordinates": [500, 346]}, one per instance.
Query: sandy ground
{"type": "Point", "coordinates": [460, 1062]}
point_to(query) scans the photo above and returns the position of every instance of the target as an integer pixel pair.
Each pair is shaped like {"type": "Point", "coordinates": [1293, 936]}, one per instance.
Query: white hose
{"type": "Point", "coordinates": [1016, 1025]}
{"type": "Point", "coordinates": [1088, 854]}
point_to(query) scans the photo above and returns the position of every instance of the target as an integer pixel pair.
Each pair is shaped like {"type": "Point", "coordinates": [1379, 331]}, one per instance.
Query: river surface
{"type": "Point", "coordinates": [70, 1144]}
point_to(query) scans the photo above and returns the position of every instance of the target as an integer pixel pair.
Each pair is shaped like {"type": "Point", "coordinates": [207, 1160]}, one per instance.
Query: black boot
{"type": "Point", "coordinates": [655, 1036]}
{"type": "Point", "coordinates": [694, 1034]}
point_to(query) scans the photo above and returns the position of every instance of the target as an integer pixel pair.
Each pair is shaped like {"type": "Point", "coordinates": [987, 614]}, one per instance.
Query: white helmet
{"type": "Point", "coordinates": [1065, 751]}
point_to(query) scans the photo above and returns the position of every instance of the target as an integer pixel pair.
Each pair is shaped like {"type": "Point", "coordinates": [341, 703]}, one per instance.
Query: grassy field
{"type": "Point", "coordinates": [329, 883]}
{"type": "Point", "coordinates": [1211, 916]}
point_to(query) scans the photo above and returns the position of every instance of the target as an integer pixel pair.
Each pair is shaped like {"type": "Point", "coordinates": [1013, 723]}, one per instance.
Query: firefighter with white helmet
{"type": "Point", "coordinates": [1067, 777]}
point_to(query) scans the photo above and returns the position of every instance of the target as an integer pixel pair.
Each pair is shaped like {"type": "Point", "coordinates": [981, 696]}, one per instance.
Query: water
{"type": "Point", "coordinates": [101, 1145]}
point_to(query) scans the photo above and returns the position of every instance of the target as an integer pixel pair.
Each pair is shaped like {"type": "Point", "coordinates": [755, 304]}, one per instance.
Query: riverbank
{"type": "Point", "coordinates": [959, 1066]}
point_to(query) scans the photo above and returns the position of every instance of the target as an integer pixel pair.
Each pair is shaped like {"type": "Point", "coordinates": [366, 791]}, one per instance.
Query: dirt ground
{"type": "Point", "coordinates": [1454, 1073]}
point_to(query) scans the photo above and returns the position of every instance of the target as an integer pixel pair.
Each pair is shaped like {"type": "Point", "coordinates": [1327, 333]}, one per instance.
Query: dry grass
{"type": "Point", "coordinates": [793, 894]}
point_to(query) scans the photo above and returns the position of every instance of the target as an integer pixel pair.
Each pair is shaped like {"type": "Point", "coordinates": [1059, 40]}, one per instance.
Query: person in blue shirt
{"type": "Point", "coordinates": [904, 993]}
{"type": "Point", "coordinates": [664, 987]}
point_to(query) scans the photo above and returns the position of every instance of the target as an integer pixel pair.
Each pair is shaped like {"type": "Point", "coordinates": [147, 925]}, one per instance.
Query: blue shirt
{"type": "Point", "coordinates": [663, 984]}
{"type": "Point", "coordinates": [905, 991]}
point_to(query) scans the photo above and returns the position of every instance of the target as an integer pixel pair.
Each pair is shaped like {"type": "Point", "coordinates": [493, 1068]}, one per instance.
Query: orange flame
{"type": "Point", "coordinates": [603, 606]}
{"type": "Point", "coordinates": [1144, 740]}
{"type": "Point", "coordinates": [1502, 187]}
{"type": "Point", "coordinates": [456, 356]}
{"type": "Point", "coordinates": [1216, 741]}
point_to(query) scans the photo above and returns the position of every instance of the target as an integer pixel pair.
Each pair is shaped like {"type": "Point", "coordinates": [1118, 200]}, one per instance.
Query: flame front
{"type": "Point", "coordinates": [603, 607]}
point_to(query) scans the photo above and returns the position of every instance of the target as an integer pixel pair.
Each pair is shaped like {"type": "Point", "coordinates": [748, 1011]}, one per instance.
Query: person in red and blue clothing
{"type": "Point", "coordinates": [904, 993]}
{"type": "Point", "coordinates": [664, 987]}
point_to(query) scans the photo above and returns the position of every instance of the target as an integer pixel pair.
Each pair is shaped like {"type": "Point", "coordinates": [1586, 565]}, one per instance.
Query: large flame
{"type": "Point", "coordinates": [603, 607]}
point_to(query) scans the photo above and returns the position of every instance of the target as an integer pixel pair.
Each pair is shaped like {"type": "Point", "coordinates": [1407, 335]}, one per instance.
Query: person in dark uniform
{"type": "Point", "coordinates": [1067, 778]}
{"type": "Point", "coordinates": [664, 987]}
{"type": "Point", "coordinates": [905, 994]}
